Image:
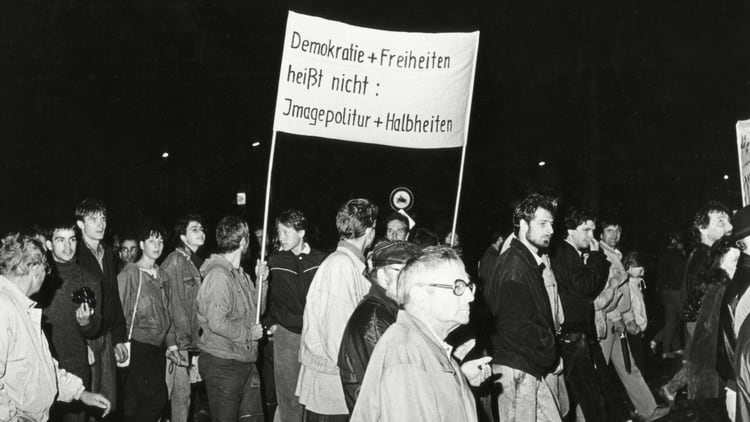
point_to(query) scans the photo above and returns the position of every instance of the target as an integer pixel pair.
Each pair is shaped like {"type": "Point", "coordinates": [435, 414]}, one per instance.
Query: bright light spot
{"type": "Point", "coordinates": [165, 155]}
{"type": "Point", "coordinates": [241, 198]}
{"type": "Point", "coordinates": [726, 177]}
{"type": "Point", "coordinates": [256, 144]}
{"type": "Point", "coordinates": [542, 163]}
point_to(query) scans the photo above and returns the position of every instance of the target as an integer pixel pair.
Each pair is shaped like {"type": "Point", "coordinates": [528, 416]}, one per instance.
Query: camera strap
{"type": "Point", "coordinates": [135, 307]}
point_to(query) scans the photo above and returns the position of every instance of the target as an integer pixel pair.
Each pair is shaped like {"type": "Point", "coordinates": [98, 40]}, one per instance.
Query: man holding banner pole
{"type": "Point", "coordinates": [226, 304]}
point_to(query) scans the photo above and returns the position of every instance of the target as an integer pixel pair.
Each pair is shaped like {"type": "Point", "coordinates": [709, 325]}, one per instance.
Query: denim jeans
{"type": "Point", "coordinates": [585, 386]}
{"type": "Point", "coordinates": [178, 388]}
{"type": "Point", "coordinates": [286, 371]}
{"type": "Point", "coordinates": [233, 389]}
{"type": "Point", "coordinates": [524, 398]}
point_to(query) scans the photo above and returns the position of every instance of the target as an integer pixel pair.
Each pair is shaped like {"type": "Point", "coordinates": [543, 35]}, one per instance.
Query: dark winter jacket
{"type": "Point", "coordinates": [578, 284]}
{"type": "Point", "coordinates": [524, 332]}
{"type": "Point", "coordinates": [727, 339]}
{"type": "Point", "coordinates": [670, 270]}
{"type": "Point", "coordinates": [113, 319]}
{"type": "Point", "coordinates": [367, 324]}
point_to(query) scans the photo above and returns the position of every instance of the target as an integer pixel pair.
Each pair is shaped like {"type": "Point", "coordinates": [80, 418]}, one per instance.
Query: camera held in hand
{"type": "Point", "coordinates": [84, 295]}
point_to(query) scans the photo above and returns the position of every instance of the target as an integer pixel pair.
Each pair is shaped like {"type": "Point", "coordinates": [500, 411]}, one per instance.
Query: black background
{"type": "Point", "coordinates": [632, 104]}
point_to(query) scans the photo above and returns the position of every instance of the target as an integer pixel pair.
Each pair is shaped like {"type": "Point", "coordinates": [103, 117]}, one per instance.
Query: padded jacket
{"type": "Point", "coordinates": [523, 335]}
{"type": "Point", "coordinates": [367, 324]}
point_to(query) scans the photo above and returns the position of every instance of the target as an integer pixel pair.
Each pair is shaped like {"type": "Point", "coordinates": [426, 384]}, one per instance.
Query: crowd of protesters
{"type": "Point", "coordinates": [369, 331]}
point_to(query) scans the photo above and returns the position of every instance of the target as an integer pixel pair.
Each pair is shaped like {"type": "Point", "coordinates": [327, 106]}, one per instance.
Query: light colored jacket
{"type": "Point", "coordinates": [411, 377]}
{"type": "Point", "coordinates": [30, 378]}
{"type": "Point", "coordinates": [152, 323]}
{"type": "Point", "coordinates": [226, 311]}
{"type": "Point", "coordinates": [338, 286]}
{"type": "Point", "coordinates": [184, 282]}
{"type": "Point", "coordinates": [613, 303]}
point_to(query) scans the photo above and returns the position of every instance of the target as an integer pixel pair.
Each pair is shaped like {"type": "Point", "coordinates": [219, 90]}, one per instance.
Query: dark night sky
{"type": "Point", "coordinates": [631, 103]}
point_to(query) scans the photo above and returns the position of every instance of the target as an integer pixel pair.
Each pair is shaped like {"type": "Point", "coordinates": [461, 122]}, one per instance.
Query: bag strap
{"type": "Point", "coordinates": [135, 307]}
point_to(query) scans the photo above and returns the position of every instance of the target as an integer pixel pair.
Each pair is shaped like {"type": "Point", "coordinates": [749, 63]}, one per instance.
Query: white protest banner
{"type": "Point", "coordinates": [743, 152]}
{"type": "Point", "coordinates": [404, 89]}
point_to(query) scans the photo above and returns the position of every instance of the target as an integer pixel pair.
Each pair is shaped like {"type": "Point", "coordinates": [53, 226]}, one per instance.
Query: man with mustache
{"type": "Point", "coordinates": [524, 340]}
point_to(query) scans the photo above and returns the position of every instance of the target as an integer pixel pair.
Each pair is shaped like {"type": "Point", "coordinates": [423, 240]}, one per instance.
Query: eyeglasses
{"type": "Point", "coordinates": [459, 286]}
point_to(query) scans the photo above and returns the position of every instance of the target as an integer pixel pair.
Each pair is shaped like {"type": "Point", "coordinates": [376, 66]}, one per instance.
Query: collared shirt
{"type": "Point", "coordinates": [98, 253]}
{"type": "Point", "coordinates": [441, 342]}
{"type": "Point", "coordinates": [29, 377]}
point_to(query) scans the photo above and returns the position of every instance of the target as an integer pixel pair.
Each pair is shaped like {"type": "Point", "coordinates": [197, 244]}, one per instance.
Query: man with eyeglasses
{"type": "Point", "coordinates": [127, 252]}
{"type": "Point", "coordinates": [183, 269]}
{"type": "Point", "coordinates": [411, 375]}
{"type": "Point", "coordinates": [524, 338]}
{"type": "Point", "coordinates": [374, 314]}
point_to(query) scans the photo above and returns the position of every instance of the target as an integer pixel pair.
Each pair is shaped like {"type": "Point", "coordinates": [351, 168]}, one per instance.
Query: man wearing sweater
{"type": "Point", "coordinates": [69, 323]}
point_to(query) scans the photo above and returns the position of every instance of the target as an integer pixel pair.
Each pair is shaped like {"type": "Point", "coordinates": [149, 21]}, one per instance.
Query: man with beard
{"type": "Point", "coordinates": [524, 343]}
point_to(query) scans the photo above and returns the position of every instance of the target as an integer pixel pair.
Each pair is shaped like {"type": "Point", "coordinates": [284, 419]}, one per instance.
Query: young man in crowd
{"type": "Point", "coordinates": [396, 227]}
{"type": "Point", "coordinates": [30, 378]}
{"type": "Point", "coordinates": [227, 305]}
{"type": "Point", "coordinates": [95, 257]}
{"type": "Point", "coordinates": [621, 320]}
{"type": "Point", "coordinates": [524, 337]}
{"type": "Point", "coordinates": [710, 224]}
{"type": "Point", "coordinates": [291, 270]}
{"type": "Point", "coordinates": [144, 291]}
{"type": "Point", "coordinates": [127, 252]}
{"type": "Point", "coordinates": [411, 375]}
{"type": "Point", "coordinates": [374, 314]}
{"type": "Point", "coordinates": [70, 318]}
{"type": "Point", "coordinates": [182, 267]}
{"type": "Point", "coordinates": [336, 289]}
{"type": "Point", "coordinates": [581, 271]}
